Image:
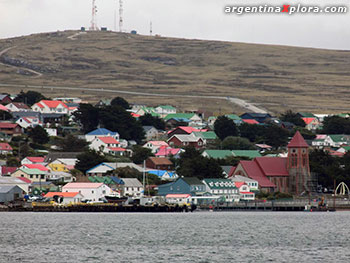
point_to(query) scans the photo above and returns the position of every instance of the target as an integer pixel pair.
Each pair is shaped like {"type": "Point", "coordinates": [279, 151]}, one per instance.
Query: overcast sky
{"type": "Point", "coordinates": [201, 19]}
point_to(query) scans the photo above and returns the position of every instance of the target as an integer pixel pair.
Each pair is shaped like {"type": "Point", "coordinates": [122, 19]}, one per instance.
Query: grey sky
{"type": "Point", "coordinates": [202, 19]}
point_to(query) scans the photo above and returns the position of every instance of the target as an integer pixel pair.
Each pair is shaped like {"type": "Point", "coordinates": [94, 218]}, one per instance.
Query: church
{"type": "Point", "coordinates": [286, 175]}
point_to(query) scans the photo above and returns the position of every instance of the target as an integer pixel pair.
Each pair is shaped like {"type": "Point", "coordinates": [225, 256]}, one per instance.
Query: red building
{"type": "Point", "coordinates": [287, 175]}
{"type": "Point", "coordinates": [10, 128]}
{"type": "Point", "coordinates": [184, 140]}
{"type": "Point", "coordinates": [159, 163]}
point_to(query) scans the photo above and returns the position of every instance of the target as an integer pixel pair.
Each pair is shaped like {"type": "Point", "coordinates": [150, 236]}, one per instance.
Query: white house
{"type": "Point", "coordinates": [150, 132]}
{"type": "Point", "coordinates": [101, 132]}
{"type": "Point", "coordinates": [104, 144]}
{"type": "Point", "coordinates": [32, 160]}
{"type": "Point", "coordinates": [180, 199]}
{"type": "Point", "coordinates": [337, 140]}
{"type": "Point", "coordinates": [155, 145]}
{"type": "Point", "coordinates": [132, 187]}
{"type": "Point", "coordinates": [244, 191]}
{"type": "Point", "coordinates": [224, 188]}
{"type": "Point", "coordinates": [17, 106]}
{"type": "Point", "coordinates": [26, 122]}
{"type": "Point", "coordinates": [50, 106]}
{"type": "Point", "coordinates": [66, 197]}
{"type": "Point", "coordinates": [253, 184]}
{"type": "Point", "coordinates": [164, 110]}
{"type": "Point", "coordinates": [90, 191]}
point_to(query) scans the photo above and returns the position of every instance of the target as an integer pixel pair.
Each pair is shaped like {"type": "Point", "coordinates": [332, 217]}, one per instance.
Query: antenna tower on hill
{"type": "Point", "coordinates": [93, 16]}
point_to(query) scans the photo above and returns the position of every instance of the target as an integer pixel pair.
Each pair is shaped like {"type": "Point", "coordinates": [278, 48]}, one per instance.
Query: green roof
{"type": "Point", "coordinates": [218, 154]}
{"type": "Point", "coordinates": [220, 183]}
{"type": "Point", "coordinates": [179, 115]}
{"type": "Point", "coordinates": [209, 135]}
{"type": "Point", "coordinates": [340, 137]}
{"type": "Point", "coordinates": [246, 153]}
{"type": "Point", "coordinates": [31, 171]}
{"type": "Point", "coordinates": [192, 180]}
{"type": "Point", "coordinates": [167, 107]}
{"type": "Point", "coordinates": [233, 117]}
{"type": "Point", "coordinates": [346, 148]}
{"type": "Point", "coordinates": [343, 115]}
{"type": "Point", "coordinates": [306, 114]}
{"type": "Point", "coordinates": [99, 179]}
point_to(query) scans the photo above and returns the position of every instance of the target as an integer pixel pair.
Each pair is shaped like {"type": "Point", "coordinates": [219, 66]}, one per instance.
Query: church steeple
{"type": "Point", "coordinates": [298, 164]}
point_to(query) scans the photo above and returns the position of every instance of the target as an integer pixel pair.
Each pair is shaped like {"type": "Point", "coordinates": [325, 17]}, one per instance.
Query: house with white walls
{"type": "Point", "coordinates": [101, 132]}
{"type": "Point", "coordinates": [51, 106]}
{"type": "Point", "coordinates": [90, 191]}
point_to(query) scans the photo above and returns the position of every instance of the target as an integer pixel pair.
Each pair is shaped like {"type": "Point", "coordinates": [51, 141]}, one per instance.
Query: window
{"type": "Point", "coordinates": [31, 176]}
{"type": "Point", "coordinates": [42, 176]}
{"type": "Point", "coordinates": [104, 192]}
{"type": "Point", "coordinates": [92, 191]}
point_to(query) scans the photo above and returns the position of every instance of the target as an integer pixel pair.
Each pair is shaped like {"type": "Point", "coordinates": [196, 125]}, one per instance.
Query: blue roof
{"type": "Point", "coordinates": [98, 166]}
{"type": "Point", "coordinates": [102, 131]}
{"type": "Point", "coordinates": [160, 173]}
{"type": "Point", "coordinates": [117, 180]}
{"type": "Point", "coordinates": [181, 119]}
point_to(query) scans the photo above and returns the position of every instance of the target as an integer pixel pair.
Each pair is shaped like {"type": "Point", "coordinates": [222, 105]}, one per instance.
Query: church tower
{"type": "Point", "coordinates": [298, 165]}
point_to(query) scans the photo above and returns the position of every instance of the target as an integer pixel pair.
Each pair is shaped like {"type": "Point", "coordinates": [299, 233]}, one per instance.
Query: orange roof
{"type": "Point", "coordinates": [298, 141]}
{"type": "Point", "coordinates": [250, 121]}
{"type": "Point", "coordinates": [239, 184]}
{"type": "Point", "coordinates": [108, 140]}
{"type": "Point", "coordinates": [64, 194]}
{"type": "Point", "coordinates": [51, 103]}
{"type": "Point", "coordinates": [36, 159]}
{"type": "Point", "coordinates": [308, 120]}
{"type": "Point", "coordinates": [117, 149]}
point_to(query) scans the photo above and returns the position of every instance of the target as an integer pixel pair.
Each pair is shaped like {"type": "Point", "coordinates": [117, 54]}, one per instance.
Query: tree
{"type": "Point", "coordinates": [88, 116]}
{"type": "Point", "coordinates": [87, 160]}
{"type": "Point", "coordinates": [13, 162]}
{"type": "Point", "coordinates": [149, 120]}
{"type": "Point", "coordinates": [252, 132]}
{"type": "Point", "coordinates": [140, 154]}
{"type": "Point", "coordinates": [336, 125]}
{"type": "Point", "coordinates": [224, 127]}
{"type": "Point", "coordinates": [5, 116]}
{"type": "Point", "coordinates": [193, 164]}
{"type": "Point", "coordinates": [236, 143]}
{"type": "Point", "coordinates": [30, 97]}
{"type": "Point", "coordinates": [119, 101]}
{"type": "Point", "coordinates": [116, 118]}
{"type": "Point", "coordinates": [275, 136]}
{"type": "Point", "coordinates": [290, 116]}
{"type": "Point", "coordinates": [71, 143]}
{"type": "Point", "coordinates": [38, 135]}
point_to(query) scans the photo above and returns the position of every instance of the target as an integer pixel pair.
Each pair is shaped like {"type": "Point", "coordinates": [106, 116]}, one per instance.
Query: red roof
{"type": "Point", "coordinates": [250, 121]}
{"type": "Point", "coordinates": [233, 169]}
{"type": "Point", "coordinates": [63, 194]}
{"type": "Point", "coordinates": [135, 115]}
{"type": "Point", "coordinates": [188, 129]}
{"type": "Point", "coordinates": [108, 140]}
{"type": "Point", "coordinates": [308, 120]}
{"type": "Point", "coordinates": [3, 108]}
{"type": "Point", "coordinates": [4, 146]}
{"type": "Point", "coordinates": [20, 105]}
{"type": "Point", "coordinates": [6, 170]}
{"type": "Point", "coordinates": [52, 103]}
{"type": "Point", "coordinates": [26, 180]}
{"type": "Point", "coordinates": [298, 141]}
{"type": "Point", "coordinates": [7, 125]}
{"type": "Point", "coordinates": [82, 185]}
{"type": "Point", "coordinates": [254, 172]}
{"type": "Point", "coordinates": [36, 166]}
{"type": "Point", "coordinates": [164, 151]}
{"type": "Point", "coordinates": [239, 184]}
{"type": "Point", "coordinates": [36, 159]}
{"type": "Point", "coordinates": [117, 149]}
{"type": "Point", "coordinates": [273, 166]}
{"type": "Point", "coordinates": [246, 193]}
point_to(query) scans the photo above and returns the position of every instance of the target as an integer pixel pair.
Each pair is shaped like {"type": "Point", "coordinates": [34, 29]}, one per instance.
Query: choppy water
{"type": "Point", "coordinates": [186, 237]}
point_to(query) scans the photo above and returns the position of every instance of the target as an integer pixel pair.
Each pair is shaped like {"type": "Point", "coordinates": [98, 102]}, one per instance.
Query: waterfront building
{"type": "Point", "coordinates": [90, 191]}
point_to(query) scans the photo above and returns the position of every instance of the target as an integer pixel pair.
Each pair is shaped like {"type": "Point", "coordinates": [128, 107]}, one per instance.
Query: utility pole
{"type": "Point", "coordinates": [120, 15]}
{"type": "Point", "coordinates": [150, 29]}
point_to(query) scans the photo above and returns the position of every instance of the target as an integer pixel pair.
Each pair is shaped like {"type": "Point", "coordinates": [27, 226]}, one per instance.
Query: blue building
{"type": "Point", "coordinates": [183, 185]}
{"type": "Point", "coordinates": [259, 117]}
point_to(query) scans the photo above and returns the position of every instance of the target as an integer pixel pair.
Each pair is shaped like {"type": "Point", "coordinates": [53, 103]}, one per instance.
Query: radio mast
{"type": "Point", "coordinates": [93, 16]}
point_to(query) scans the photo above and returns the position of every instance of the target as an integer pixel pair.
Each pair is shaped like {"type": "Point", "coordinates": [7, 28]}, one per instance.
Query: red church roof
{"type": "Point", "coordinates": [298, 141]}
{"type": "Point", "coordinates": [254, 172]}
{"type": "Point", "coordinates": [273, 166]}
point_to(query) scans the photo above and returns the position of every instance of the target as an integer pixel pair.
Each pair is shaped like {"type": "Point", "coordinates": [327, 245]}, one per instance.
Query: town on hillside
{"type": "Point", "coordinates": [64, 151]}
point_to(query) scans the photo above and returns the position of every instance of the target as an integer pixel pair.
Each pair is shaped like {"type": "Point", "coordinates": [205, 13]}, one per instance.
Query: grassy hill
{"type": "Point", "coordinates": [275, 77]}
